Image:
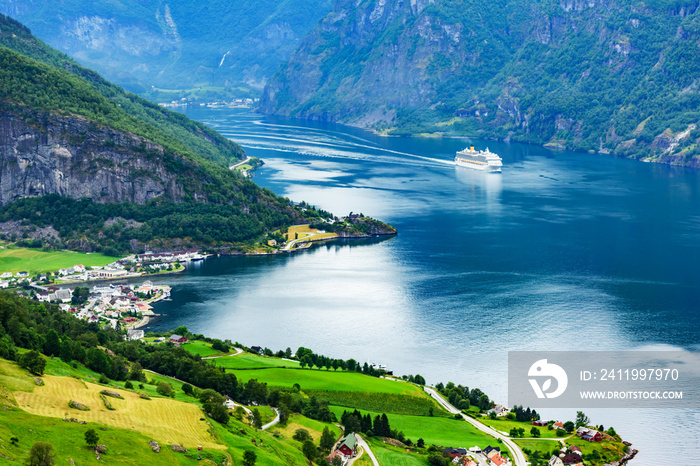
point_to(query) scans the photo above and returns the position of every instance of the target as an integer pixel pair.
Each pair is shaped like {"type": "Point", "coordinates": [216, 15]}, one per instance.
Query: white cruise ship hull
{"type": "Point", "coordinates": [478, 166]}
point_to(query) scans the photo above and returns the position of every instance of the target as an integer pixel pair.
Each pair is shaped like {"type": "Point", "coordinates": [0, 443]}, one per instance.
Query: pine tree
{"type": "Point", "coordinates": [52, 347]}
{"type": "Point", "coordinates": [327, 440]}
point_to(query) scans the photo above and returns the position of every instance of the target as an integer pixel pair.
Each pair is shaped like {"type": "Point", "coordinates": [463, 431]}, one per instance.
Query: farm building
{"type": "Point", "coordinates": [178, 339]}
{"type": "Point", "coordinates": [348, 445]}
{"type": "Point", "coordinates": [591, 435]}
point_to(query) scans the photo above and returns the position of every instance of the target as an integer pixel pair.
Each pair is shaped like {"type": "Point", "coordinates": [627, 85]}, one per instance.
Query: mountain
{"type": "Point", "coordinates": [613, 76]}
{"type": "Point", "coordinates": [224, 47]}
{"type": "Point", "coordinates": [85, 165]}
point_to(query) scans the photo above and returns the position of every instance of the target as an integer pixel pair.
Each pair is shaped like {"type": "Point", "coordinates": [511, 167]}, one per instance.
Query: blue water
{"type": "Point", "coordinates": [561, 251]}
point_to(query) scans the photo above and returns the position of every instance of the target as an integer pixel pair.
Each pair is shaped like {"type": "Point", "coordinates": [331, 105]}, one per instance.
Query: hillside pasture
{"type": "Point", "coordinates": [124, 446]}
{"type": "Point", "coordinates": [167, 421]}
{"type": "Point", "coordinates": [252, 361]}
{"type": "Point", "coordinates": [37, 261]}
{"type": "Point", "coordinates": [315, 428]}
{"type": "Point", "coordinates": [316, 379]}
{"type": "Point", "coordinates": [440, 431]}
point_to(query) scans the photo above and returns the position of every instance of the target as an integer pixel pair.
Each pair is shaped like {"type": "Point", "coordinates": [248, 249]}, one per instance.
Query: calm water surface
{"type": "Point", "coordinates": [561, 251]}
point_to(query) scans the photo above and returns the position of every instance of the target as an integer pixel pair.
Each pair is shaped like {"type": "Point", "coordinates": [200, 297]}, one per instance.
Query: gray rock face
{"type": "Point", "coordinates": [72, 157]}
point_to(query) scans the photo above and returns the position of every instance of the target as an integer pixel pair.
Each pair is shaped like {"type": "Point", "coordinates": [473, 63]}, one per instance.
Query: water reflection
{"type": "Point", "coordinates": [484, 188]}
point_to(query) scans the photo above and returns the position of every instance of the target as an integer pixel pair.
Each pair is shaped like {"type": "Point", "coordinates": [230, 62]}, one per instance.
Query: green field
{"type": "Point", "coordinates": [389, 455]}
{"type": "Point", "coordinates": [545, 447]}
{"type": "Point", "coordinates": [316, 379]}
{"type": "Point", "coordinates": [36, 261]}
{"type": "Point", "coordinates": [504, 425]}
{"type": "Point", "coordinates": [440, 431]}
{"type": "Point", "coordinates": [124, 446]}
{"type": "Point", "coordinates": [202, 348]}
{"type": "Point", "coordinates": [297, 421]}
{"type": "Point", "coordinates": [343, 388]}
{"type": "Point", "coordinates": [608, 451]}
{"type": "Point", "coordinates": [68, 439]}
{"type": "Point", "coordinates": [252, 361]}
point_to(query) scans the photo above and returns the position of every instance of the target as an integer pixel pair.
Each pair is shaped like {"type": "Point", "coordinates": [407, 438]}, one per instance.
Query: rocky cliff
{"type": "Point", "coordinates": [72, 157]}
{"type": "Point", "coordinates": [614, 76]}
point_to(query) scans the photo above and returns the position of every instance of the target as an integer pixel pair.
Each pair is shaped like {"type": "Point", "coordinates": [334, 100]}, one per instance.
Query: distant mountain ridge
{"type": "Point", "coordinates": [618, 76]}
{"type": "Point", "coordinates": [174, 44]}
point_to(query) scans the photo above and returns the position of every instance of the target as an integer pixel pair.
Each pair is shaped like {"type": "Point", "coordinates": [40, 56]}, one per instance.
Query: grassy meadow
{"type": "Point", "coordinates": [37, 261]}
{"type": "Point", "coordinates": [504, 425]}
{"type": "Point", "coordinates": [317, 379]}
{"type": "Point", "coordinates": [394, 456]}
{"type": "Point", "coordinates": [201, 348]}
{"type": "Point", "coordinates": [252, 361]}
{"type": "Point", "coordinates": [545, 447]}
{"type": "Point", "coordinates": [166, 420]}
{"type": "Point", "coordinates": [315, 428]}
{"type": "Point", "coordinates": [440, 431]}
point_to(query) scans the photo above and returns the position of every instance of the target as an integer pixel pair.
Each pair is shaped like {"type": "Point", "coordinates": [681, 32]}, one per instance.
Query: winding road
{"type": "Point", "coordinates": [516, 452]}
{"type": "Point", "coordinates": [238, 351]}
{"type": "Point", "coordinates": [361, 442]}
{"type": "Point", "coordinates": [274, 421]}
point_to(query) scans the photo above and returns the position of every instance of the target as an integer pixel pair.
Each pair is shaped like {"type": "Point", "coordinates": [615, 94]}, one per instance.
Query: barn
{"type": "Point", "coordinates": [348, 445]}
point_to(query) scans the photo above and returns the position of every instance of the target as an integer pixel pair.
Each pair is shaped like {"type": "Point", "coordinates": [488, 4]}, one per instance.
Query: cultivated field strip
{"type": "Point", "coordinates": [166, 421]}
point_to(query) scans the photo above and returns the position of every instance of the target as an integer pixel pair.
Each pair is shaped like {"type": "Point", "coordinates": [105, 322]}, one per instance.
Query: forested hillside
{"type": "Point", "coordinates": [616, 76]}
{"type": "Point", "coordinates": [216, 48]}
{"type": "Point", "coordinates": [87, 166]}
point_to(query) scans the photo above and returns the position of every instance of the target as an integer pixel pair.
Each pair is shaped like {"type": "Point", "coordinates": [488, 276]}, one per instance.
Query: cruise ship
{"type": "Point", "coordinates": [481, 160]}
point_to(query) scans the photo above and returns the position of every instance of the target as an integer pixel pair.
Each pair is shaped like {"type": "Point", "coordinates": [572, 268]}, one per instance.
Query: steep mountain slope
{"type": "Point", "coordinates": [175, 43]}
{"type": "Point", "coordinates": [608, 75]}
{"type": "Point", "coordinates": [116, 106]}
{"type": "Point", "coordinates": [85, 165]}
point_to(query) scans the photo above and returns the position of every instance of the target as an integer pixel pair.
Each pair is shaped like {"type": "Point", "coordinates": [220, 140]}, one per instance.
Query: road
{"type": "Point", "coordinates": [516, 452]}
{"type": "Point", "coordinates": [273, 422]}
{"type": "Point", "coordinates": [238, 351]}
{"type": "Point", "coordinates": [361, 442]}
{"type": "Point", "coordinates": [233, 167]}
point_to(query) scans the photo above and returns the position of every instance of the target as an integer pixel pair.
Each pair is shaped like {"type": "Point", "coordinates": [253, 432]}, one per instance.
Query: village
{"type": "Point", "coordinates": [133, 266]}
{"type": "Point", "coordinates": [124, 305]}
{"type": "Point", "coordinates": [110, 305]}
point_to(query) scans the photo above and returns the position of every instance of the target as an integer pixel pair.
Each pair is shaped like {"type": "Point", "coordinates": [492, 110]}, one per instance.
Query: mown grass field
{"type": "Point", "coordinates": [201, 348]}
{"type": "Point", "coordinates": [252, 361]}
{"type": "Point", "coordinates": [36, 261]}
{"type": "Point", "coordinates": [389, 455]}
{"type": "Point", "coordinates": [315, 428]}
{"type": "Point", "coordinates": [303, 231]}
{"type": "Point", "coordinates": [166, 420]}
{"type": "Point", "coordinates": [440, 431]}
{"type": "Point", "coordinates": [315, 379]}
{"type": "Point", "coordinates": [545, 447]}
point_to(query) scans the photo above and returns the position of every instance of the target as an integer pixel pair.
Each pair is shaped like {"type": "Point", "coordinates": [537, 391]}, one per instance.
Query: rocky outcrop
{"type": "Point", "coordinates": [69, 156]}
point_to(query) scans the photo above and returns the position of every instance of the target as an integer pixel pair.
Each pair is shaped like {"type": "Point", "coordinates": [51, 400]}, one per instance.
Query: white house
{"type": "Point", "coordinates": [135, 334]}
{"type": "Point", "coordinates": [6, 275]}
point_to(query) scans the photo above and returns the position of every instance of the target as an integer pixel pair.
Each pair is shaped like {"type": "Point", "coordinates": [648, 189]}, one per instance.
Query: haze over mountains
{"type": "Point", "coordinates": [616, 76]}
{"type": "Point", "coordinates": [174, 44]}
